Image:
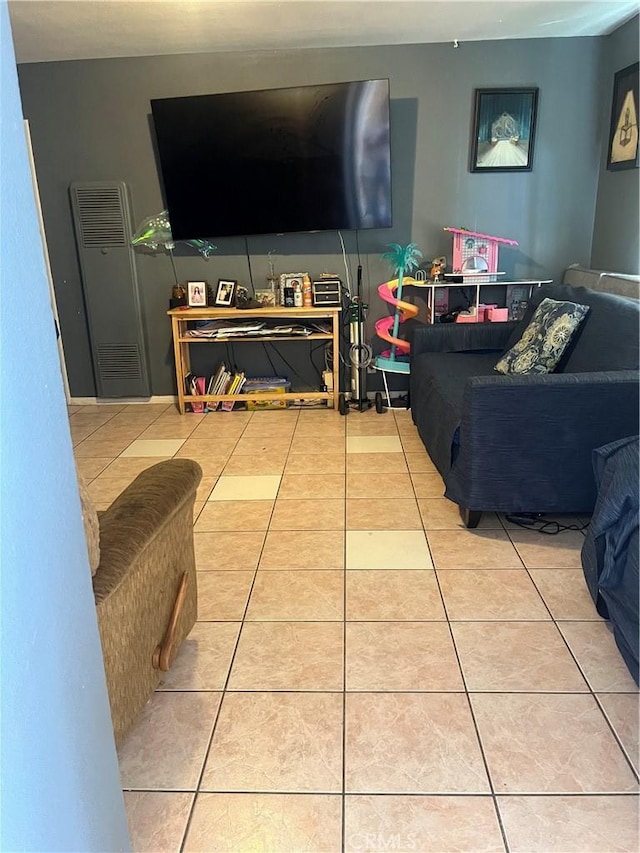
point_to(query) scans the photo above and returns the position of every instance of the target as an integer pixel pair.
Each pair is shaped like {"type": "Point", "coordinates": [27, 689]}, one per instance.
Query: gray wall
{"type": "Point", "coordinates": [90, 121]}
{"type": "Point", "coordinates": [616, 228]}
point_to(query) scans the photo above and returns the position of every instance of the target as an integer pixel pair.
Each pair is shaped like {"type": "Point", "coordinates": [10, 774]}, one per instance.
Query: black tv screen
{"type": "Point", "coordinates": [310, 158]}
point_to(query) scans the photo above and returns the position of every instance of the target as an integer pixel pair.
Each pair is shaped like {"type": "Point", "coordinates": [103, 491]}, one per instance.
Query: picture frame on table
{"type": "Point", "coordinates": [290, 279]}
{"type": "Point", "coordinates": [266, 298]}
{"type": "Point", "coordinates": [197, 294]}
{"type": "Point", "coordinates": [622, 151]}
{"type": "Point", "coordinates": [517, 299]}
{"type": "Point", "coordinates": [504, 127]}
{"type": "Point", "coordinates": [289, 283]}
{"type": "Point", "coordinates": [225, 293]}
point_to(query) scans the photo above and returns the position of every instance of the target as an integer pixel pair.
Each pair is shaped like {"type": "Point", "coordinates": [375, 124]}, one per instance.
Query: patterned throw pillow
{"type": "Point", "coordinates": [545, 339]}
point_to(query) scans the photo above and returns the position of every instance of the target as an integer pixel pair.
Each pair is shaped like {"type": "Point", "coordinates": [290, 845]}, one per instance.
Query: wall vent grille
{"type": "Point", "coordinates": [101, 216]}
{"type": "Point", "coordinates": [119, 361]}
{"type": "Point", "coordinates": [102, 222]}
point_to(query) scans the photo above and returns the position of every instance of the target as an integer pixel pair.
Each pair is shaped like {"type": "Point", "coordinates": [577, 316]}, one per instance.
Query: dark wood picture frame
{"type": "Point", "coordinates": [504, 126]}
{"type": "Point", "coordinates": [225, 293]}
{"type": "Point", "coordinates": [622, 150]}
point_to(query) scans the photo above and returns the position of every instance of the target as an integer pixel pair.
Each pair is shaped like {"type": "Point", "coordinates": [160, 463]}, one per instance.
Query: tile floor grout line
{"type": "Point", "coordinates": [221, 702]}
{"type": "Point", "coordinates": [394, 793]}
{"type": "Point", "coordinates": [343, 802]}
{"type": "Point", "coordinates": [634, 770]}
{"type": "Point", "coordinates": [474, 721]}
{"type": "Point", "coordinates": [223, 693]}
{"type": "Point", "coordinates": [225, 689]}
{"type": "Point", "coordinates": [590, 690]}
{"type": "Point", "coordinates": [466, 691]}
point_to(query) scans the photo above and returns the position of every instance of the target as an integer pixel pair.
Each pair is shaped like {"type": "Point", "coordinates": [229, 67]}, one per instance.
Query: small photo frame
{"type": "Point", "coordinates": [266, 298]}
{"type": "Point", "coordinates": [291, 279]}
{"type": "Point", "coordinates": [623, 133]}
{"type": "Point", "coordinates": [225, 293]}
{"type": "Point", "coordinates": [504, 128]}
{"type": "Point", "coordinates": [197, 294]}
{"type": "Point", "coordinates": [517, 298]}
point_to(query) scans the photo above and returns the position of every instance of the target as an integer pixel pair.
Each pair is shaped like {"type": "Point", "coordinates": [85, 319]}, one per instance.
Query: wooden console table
{"type": "Point", "coordinates": [181, 317]}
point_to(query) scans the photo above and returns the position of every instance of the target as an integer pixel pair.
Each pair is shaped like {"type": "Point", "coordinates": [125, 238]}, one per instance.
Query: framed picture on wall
{"type": "Point", "coordinates": [623, 134]}
{"type": "Point", "coordinates": [504, 127]}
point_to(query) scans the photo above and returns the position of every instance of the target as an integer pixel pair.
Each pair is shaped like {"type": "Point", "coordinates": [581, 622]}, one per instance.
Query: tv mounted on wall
{"type": "Point", "coordinates": [310, 158]}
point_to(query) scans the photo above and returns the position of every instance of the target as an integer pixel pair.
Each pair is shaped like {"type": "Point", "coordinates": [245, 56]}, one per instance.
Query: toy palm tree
{"type": "Point", "coordinates": [401, 260]}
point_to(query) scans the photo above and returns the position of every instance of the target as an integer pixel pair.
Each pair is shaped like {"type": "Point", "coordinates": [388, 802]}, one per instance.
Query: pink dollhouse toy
{"type": "Point", "coordinates": [475, 256]}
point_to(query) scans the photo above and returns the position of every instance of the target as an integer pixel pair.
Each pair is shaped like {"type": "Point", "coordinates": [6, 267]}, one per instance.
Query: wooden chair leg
{"type": "Point", "coordinates": [470, 517]}
{"type": "Point", "coordinates": [165, 653]}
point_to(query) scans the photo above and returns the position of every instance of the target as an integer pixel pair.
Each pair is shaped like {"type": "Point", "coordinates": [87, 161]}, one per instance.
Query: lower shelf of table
{"type": "Point", "coordinates": [289, 395]}
{"type": "Point", "coordinates": [264, 397]}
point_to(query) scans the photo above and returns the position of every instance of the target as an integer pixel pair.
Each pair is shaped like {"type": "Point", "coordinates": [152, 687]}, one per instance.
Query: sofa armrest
{"type": "Point", "coordinates": [138, 514]}
{"type": "Point", "coordinates": [461, 337]}
{"type": "Point", "coordinates": [534, 435]}
{"type": "Point", "coordinates": [146, 549]}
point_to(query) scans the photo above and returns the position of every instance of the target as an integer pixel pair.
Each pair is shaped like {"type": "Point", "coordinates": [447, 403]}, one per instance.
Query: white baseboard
{"type": "Point", "coordinates": [121, 401]}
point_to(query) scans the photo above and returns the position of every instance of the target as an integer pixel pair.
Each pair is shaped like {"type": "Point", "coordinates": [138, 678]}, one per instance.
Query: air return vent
{"type": "Point", "coordinates": [102, 221]}
{"type": "Point", "coordinates": [119, 361]}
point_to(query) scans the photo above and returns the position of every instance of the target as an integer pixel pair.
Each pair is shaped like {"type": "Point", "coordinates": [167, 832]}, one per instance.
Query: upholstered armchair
{"type": "Point", "coordinates": [145, 583]}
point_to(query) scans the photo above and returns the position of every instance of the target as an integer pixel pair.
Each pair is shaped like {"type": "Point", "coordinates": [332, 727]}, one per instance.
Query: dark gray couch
{"type": "Point", "coordinates": [524, 443]}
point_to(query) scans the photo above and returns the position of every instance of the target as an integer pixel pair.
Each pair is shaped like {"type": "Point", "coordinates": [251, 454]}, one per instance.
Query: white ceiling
{"type": "Point", "coordinates": [54, 30]}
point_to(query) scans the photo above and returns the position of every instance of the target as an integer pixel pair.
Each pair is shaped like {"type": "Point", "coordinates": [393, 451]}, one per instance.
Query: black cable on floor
{"type": "Point", "coordinates": [535, 521]}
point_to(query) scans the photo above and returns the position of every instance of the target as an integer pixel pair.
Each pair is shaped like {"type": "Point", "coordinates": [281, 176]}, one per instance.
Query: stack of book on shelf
{"type": "Point", "coordinates": [195, 387]}
{"type": "Point", "coordinates": [222, 382]}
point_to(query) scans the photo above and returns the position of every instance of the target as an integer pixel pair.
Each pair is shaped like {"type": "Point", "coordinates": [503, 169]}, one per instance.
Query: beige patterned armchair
{"type": "Point", "coordinates": [145, 583]}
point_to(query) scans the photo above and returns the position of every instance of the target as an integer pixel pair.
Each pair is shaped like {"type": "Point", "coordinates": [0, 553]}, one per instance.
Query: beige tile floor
{"type": "Point", "coordinates": [365, 674]}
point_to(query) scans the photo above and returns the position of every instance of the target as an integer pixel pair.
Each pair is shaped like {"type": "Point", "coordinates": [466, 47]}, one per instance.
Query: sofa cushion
{"type": "Point", "coordinates": [606, 340]}
{"type": "Point", "coordinates": [91, 525]}
{"type": "Point", "coordinates": [545, 339]}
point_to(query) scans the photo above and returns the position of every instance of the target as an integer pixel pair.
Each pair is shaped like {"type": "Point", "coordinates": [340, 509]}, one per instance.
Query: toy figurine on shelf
{"type": "Point", "coordinates": [438, 266]}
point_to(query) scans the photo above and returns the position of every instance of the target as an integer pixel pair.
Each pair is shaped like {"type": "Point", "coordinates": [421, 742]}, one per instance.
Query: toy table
{"type": "Point", "coordinates": [403, 367]}
{"type": "Point", "coordinates": [431, 286]}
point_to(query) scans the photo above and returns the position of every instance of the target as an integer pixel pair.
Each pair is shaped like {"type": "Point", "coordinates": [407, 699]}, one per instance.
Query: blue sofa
{"type": "Point", "coordinates": [523, 443]}
{"type": "Point", "coordinates": [610, 550]}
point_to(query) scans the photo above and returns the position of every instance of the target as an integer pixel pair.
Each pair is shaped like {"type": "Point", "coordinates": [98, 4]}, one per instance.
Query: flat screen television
{"type": "Point", "coordinates": [309, 158]}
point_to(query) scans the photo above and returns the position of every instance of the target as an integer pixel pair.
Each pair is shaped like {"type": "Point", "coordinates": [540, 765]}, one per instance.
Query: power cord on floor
{"type": "Point", "coordinates": [536, 521]}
